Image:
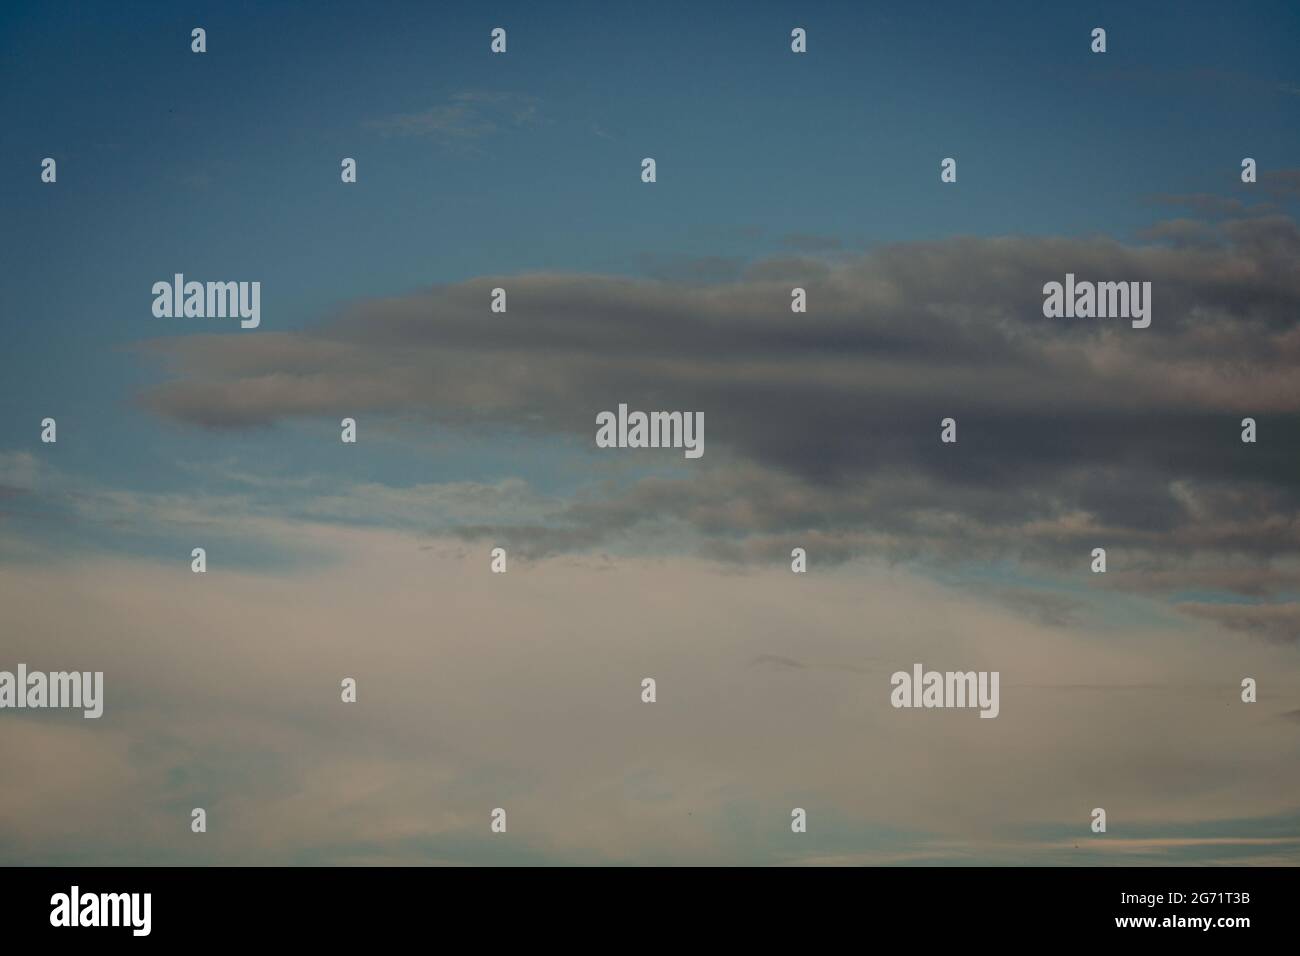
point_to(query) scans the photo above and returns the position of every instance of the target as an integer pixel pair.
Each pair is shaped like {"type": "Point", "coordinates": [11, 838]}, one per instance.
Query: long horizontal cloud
{"type": "Point", "coordinates": [522, 691]}
{"type": "Point", "coordinates": [1072, 432]}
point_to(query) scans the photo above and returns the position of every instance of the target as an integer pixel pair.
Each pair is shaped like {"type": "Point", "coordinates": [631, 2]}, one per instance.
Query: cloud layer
{"type": "Point", "coordinates": [523, 691]}
{"type": "Point", "coordinates": [823, 427]}
{"type": "Point", "coordinates": [822, 431]}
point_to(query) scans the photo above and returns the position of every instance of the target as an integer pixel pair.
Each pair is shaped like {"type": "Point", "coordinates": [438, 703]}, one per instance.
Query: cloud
{"type": "Point", "coordinates": [467, 115]}
{"type": "Point", "coordinates": [262, 508]}
{"type": "Point", "coordinates": [1051, 610]}
{"type": "Point", "coordinates": [776, 660]}
{"type": "Point", "coordinates": [1279, 623]}
{"type": "Point", "coordinates": [1181, 232]}
{"type": "Point", "coordinates": [1282, 183]}
{"type": "Point", "coordinates": [824, 427]}
{"type": "Point", "coordinates": [222, 691]}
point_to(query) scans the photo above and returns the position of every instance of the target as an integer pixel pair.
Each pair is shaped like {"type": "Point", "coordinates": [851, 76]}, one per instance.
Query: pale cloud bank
{"type": "Point", "coordinates": [522, 691]}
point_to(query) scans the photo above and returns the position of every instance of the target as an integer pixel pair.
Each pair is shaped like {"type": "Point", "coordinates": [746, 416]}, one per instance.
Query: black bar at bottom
{"type": "Point", "coordinates": [668, 907]}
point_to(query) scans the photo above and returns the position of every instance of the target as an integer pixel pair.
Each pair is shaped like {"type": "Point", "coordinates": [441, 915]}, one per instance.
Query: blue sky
{"type": "Point", "coordinates": [226, 164]}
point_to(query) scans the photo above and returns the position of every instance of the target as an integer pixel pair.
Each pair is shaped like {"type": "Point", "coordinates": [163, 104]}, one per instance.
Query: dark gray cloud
{"type": "Point", "coordinates": [824, 426]}
{"type": "Point", "coordinates": [1275, 623]}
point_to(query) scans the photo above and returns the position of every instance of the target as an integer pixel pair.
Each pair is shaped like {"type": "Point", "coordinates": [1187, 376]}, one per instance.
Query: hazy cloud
{"type": "Point", "coordinates": [222, 691]}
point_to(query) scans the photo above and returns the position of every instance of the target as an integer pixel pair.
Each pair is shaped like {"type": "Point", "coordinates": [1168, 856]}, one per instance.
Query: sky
{"type": "Point", "coordinates": [476, 430]}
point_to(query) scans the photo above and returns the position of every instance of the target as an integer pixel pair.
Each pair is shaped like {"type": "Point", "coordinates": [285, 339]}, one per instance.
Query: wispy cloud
{"type": "Point", "coordinates": [467, 115]}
